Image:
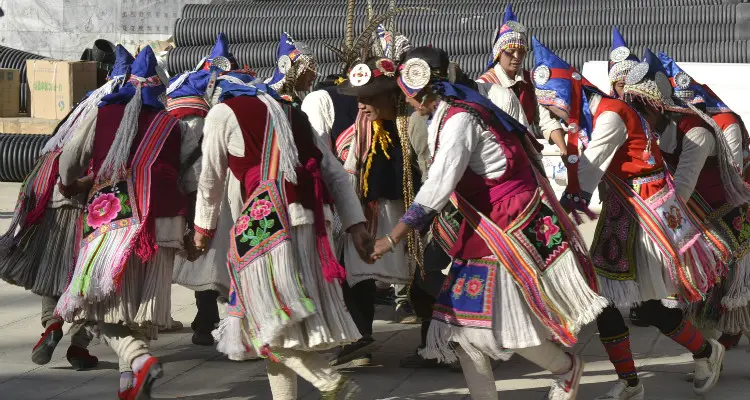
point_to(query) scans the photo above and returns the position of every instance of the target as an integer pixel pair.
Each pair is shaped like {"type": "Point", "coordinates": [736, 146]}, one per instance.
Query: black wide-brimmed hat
{"type": "Point", "coordinates": [377, 75]}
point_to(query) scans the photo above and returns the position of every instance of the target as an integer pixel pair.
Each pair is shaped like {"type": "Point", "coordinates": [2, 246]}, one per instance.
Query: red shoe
{"type": "Point", "coordinates": [42, 352]}
{"type": "Point", "coordinates": [80, 358]}
{"type": "Point", "coordinates": [145, 378]}
{"type": "Point", "coordinates": [124, 394]}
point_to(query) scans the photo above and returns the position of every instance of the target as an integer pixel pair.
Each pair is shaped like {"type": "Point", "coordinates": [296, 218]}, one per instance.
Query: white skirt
{"type": "Point", "coordinates": [37, 265]}
{"type": "Point", "coordinates": [392, 267]}
{"type": "Point", "coordinates": [652, 282]}
{"type": "Point", "coordinates": [144, 300]}
{"type": "Point", "coordinates": [327, 325]}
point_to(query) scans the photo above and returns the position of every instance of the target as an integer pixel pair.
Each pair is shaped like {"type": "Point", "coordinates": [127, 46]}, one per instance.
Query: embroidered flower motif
{"type": "Point", "coordinates": [674, 218]}
{"type": "Point", "coordinates": [446, 284]}
{"type": "Point", "coordinates": [241, 225]}
{"type": "Point", "coordinates": [474, 287]}
{"type": "Point", "coordinates": [102, 210]}
{"type": "Point", "coordinates": [386, 66]}
{"type": "Point", "coordinates": [261, 209]}
{"type": "Point", "coordinates": [458, 287]}
{"type": "Point", "coordinates": [546, 231]}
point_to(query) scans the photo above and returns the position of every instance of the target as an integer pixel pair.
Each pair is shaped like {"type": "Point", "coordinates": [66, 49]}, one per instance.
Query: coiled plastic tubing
{"type": "Point", "coordinates": [18, 153]}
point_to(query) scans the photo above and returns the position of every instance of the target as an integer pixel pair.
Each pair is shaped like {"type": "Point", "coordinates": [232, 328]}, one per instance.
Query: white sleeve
{"type": "Point", "coordinates": [547, 124]}
{"type": "Point", "coordinates": [220, 128]}
{"type": "Point", "coordinates": [77, 153]}
{"type": "Point", "coordinates": [319, 109]}
{"type": "Point", "coordinates": [458, 139]}
{"type": "Point", "coordinates": [608, 135]}
{"type": "Point", "coordinates": [191, 129]}
{"type": "Point", "coordinates": [697, 145]}
{"type": "Point", "coordinates": [733, 134]}
{"type": "Point", "coordinates": [340, 187]}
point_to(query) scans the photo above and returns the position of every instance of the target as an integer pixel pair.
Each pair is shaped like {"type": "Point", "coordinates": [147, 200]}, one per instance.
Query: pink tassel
{"type": "Point", "coordinates": [331, 267]}
{"type": "Point", "coordinates": [40, 207]}
{"type": "Point", "coordinates": [145, 245]}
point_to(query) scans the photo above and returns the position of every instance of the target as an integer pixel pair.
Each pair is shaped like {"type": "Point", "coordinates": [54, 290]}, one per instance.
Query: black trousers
{"type": "Point", "coordinates": [653, 312]}
{"type": "Point", "coordinates": [208, 311]}
{"type": "Point", "coordinates": [360, 300]}
{"type": "Point", "coordinates": [425, 289]}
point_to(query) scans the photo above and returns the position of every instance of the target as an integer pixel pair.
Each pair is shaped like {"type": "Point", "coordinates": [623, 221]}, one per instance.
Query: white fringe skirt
{"type": "Point", "coordinates": [143, 302]}
{"type": "Point", "coordinates": [43, 259]}
{"type": "Point", "coordinates": [321, 324]}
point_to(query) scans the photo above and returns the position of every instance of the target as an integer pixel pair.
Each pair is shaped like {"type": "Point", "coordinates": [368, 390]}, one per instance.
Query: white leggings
{"type": "Point", "coordinates": [126, 343]}
{"type": "Point", "coordinates": [311, 366]}
{"type": "Point", "coordinates": [481, 380]}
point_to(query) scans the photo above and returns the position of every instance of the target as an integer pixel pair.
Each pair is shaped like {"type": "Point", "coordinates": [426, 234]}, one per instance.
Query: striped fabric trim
{"type": "Point", "coordinates": [524, 274]}
{"type": "Point", "coordinates": [489, 77]}
{"type": "Point", "coordinates": [655, 228]}
{"type": "Point", "coordinates": [271, 152]}
{"type": "Point", "coordinates": [187, 102]}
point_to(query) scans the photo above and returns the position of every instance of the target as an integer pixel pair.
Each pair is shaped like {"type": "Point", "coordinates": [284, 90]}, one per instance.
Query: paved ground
{"type": "Point", "coordinates": [194, 372]}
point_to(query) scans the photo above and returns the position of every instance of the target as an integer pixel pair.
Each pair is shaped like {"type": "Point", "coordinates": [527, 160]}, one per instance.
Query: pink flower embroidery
{"type": "Point", "coordinates": [458, 287]}
{"type": "Point", "coordinates": [474, 287]}
{"type": "Point", "coordinates": [738, 222]}
{"type": "Point", "coordinates": [261, 209]}
{"type": "Point", "coordinates": [241, 225]}
{"type": "Point", "coordinates": [102, 210]}
{"type": "Point", "coordinates": [545, 229]}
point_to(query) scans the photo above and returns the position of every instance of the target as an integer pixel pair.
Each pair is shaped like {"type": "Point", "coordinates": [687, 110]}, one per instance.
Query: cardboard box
{"type": "Point", "coordinates": [30, 126]}
{"type": "Point", "coordinates": [10, 92]}
{"type": "Point", "coordinates": [56, 86]}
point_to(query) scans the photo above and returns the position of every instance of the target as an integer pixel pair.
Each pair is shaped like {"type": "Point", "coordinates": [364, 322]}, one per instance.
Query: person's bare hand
{"type": "Point", "coordinates": [192, 253]}
{"type": "Point", "coordinates": [382, 246]}
{"type": "Point", "coordinates": [201, 242]}
{"type": "Point", "coordinates": [362, 241]}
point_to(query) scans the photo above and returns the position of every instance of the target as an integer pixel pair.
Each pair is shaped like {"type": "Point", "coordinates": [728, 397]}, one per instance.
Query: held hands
{"type": "Point", "coordinates": [192, 252]}
{"type": "Point", "coordinates": [82, 185]}
{"type": "Point", "coordinates": [382, 246]}
{"type": "Point", "coordinates": [363, 241]}
{"type": "Point", "coordinates": [200, 243]}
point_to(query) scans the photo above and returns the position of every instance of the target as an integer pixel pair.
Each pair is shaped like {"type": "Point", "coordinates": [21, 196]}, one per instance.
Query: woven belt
{"type": "Point", "coordinates": [646, 179]}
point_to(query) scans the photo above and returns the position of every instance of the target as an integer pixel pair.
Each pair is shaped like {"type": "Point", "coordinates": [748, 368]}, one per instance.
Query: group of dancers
{"type": "Point", "coordinates": [288, 206]}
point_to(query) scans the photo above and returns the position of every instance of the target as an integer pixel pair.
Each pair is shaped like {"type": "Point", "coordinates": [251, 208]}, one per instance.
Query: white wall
{"type": "Point", "coordinates": [64, 28]}
{"type": "Point", "coordinates": [731, 82]}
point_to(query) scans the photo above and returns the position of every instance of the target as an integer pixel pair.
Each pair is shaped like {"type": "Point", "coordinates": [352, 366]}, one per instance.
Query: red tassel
{"type": "Point", "coordinates": [331, 267]}
{"type": "Point", "coordinates": [145, 245]}
{"type": "Point", "coordinates": [40, 206]}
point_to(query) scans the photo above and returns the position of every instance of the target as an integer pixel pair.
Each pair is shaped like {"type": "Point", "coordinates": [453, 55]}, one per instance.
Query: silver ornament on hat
{"type": "Point", "coordinates": [682, 80]}
{"type": "Point", "coordinates": [284, 64]}
{"type": "Point", "coordinates": [637, 73]}
{"type": "Point", "coordinates": [516, 26]}
{"type": "Point", "coordinates": [221, 63]}
{"type": "Point", "coordinates": [360, 75]}
{"type": "Point", "coordinates": [416, 73]}
{"type": "Point", "coordinates": [576, 76]}
{"type": "Point", "coordinates": [541, 75]}
{"type": "Point", "coordinates": [619, 54]}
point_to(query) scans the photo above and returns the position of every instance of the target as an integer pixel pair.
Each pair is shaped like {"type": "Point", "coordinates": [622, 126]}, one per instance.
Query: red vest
{"type": "Point", "coordinates": [167, 198]}
{"type": "Point", "coordinates": [628, 161]}
{"type": "Point", "coordinates": [527, 97]}
{"type": "Point", "coordinates": [501, 199]}
{"type": "Point", "coordinates": [709, 184]}
{"type": "Point", "coordinates": [251, 114]}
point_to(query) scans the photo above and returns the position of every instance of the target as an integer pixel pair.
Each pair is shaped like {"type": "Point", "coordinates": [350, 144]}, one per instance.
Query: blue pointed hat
{"type": "Point", "coordinates": [142, 73]}
{"type": "Point", "coordinates": [560, 86]}
{"type": "Point", "coordinates": [685, 87]}
{"type": "Point", "coordinates": [512, 34]}
{"type": "Point", "coordinates": [286, 55]}
{"type": "Point", "coordinates": [123, 61]}
{"type": "Point", "coordinates": [649, 81]}
{"type": "Point", "coordinates": [621, 59]}
{"type": "Point", "coordinates": [221, 50]}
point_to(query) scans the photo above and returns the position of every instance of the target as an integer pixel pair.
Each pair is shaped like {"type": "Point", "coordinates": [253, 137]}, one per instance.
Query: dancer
{"type": "Point", "coordinates": [640, 252]}
{"type": "Point", "coordinates": [707, 161]}
{"type": "Point", "coordinates": [377, 154]}
{"type": "Point", "coordinates": [188, 101]}
{"type": "Point", "coordinates": [295, 70]}
{"type": "Point", "coordinates": [132, 222]}
{"type": "Point", "coordinates": [507, 78]}
{"type": "Point", "coordinates": [491, 303]}
{"type": "Point", "coordinates": [43, 216]}
{"type": "Point", "coordinates": [281, 186]}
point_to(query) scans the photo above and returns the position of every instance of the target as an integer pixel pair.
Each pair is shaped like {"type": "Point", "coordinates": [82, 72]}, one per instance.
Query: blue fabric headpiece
{"type": "Point", "coordinates": [123, 61]}
{"type": "Point", "coordinates": [143, 72]}
{"type": "Point", "coordinates": [221, 49]}
{"type": "Point", "coordinates": [231, 89]}
{"type": "Point", "coordinates": [285, 57]}
{"type": "Point", "coordinates": [687, 89]}
{"type": "Point", "coordinates": [464, 93]}
{"type": "Point", "coordinates": [556, 81]}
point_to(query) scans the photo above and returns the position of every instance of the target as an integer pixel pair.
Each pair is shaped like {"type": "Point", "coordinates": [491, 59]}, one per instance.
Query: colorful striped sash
{"type": "Point", "coordinates": [114, 219]}
{"type": "Point", "coordinates": [670, 225]}
{"type": "Point", "coordinates": [489, 77]}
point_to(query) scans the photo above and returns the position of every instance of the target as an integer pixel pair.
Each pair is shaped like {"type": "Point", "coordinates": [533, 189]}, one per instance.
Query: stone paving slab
{"type": "Point", "coordinates": [200, 373]}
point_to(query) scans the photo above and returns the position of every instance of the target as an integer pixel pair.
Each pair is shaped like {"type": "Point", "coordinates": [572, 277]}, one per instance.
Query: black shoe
{"type": "Point", "coordinates": [636, 320]}
{"type": "Point", "coordinates": [355, 351]}
{"type": "Point", "coordinates": [203, 338]}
